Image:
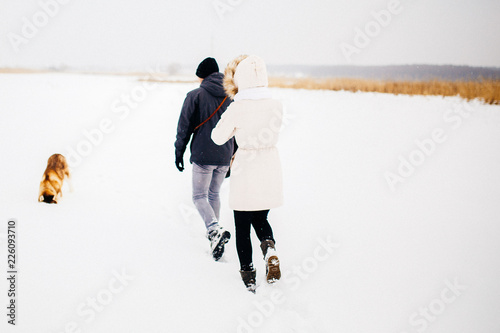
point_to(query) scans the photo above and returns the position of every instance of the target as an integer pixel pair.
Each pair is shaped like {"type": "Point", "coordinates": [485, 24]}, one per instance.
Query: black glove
{"type": "Point", "coordinates": [179, 161]}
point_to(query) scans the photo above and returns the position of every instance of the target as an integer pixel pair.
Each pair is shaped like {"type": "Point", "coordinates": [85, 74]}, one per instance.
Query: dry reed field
{"type": "Point", "coordinates": [20, 71]}
{"type": "Point", "coordinates": [485, 90]}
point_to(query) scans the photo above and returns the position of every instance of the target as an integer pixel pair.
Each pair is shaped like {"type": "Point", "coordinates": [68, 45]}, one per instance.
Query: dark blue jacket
{"type": "Point", "coordinates": [198, 106]}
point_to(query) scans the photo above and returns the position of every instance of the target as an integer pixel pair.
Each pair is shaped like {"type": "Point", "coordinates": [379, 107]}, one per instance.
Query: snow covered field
{"type": "Point", "coordinates": [391, 222]}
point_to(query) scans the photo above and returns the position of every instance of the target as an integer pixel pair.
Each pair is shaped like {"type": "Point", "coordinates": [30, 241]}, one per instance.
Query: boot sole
{"type": "Point", "coordinates": [252, 288]}
{"type": "Point", "coordinates": [273, 269]}
{"type": "Point", "coordinates": [219, 249]}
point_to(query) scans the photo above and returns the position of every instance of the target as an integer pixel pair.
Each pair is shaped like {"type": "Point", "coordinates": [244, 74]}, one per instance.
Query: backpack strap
{"type": "Point", "coordinates": [218, 108]}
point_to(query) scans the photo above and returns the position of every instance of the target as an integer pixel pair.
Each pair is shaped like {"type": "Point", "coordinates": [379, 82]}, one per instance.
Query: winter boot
{"type": "Point", "coordinates": [218, 238]}
{"type": "Point", "coordinates": [248, 278]}
{"type": "Point", "coordinates": [272, 262]}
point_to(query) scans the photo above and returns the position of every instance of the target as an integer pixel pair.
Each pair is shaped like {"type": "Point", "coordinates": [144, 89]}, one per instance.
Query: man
{"type": "Point", "coordinates": [200, 113]}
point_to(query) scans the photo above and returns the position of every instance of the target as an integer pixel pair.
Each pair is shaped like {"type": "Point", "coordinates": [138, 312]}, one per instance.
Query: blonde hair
{"type": "Point", "coordinates": [229, 84]}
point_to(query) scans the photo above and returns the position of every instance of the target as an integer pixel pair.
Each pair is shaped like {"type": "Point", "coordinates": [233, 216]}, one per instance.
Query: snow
{"type": "Point", "coordinates": [126, 251]}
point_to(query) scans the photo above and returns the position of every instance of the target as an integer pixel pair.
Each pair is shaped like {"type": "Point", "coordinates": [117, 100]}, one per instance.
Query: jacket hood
{"type": "Point", "coordinates": [213, 84]}
{"type": "Point", "coordinates": [245, 72]}
{"type": "Point", "coordinates": [229, 85]}
{"type": "Point", "coordinates": [251, 73]}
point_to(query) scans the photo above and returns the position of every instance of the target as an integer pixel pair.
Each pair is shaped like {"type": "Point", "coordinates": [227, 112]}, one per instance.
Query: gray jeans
{"type": "Point", "coordinates": [207, 180]}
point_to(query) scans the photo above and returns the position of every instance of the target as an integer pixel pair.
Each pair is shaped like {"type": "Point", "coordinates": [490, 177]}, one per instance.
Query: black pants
{"type": "Point", "coordinates": [243, 221]}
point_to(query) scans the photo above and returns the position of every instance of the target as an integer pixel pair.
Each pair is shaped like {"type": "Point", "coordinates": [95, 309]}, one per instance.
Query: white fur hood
{"type": "Point", "coordinates": [245, 72]}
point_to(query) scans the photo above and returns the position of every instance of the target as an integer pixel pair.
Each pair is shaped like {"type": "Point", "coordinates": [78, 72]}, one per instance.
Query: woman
{"type": "Point", "coordinates": [254, 119]}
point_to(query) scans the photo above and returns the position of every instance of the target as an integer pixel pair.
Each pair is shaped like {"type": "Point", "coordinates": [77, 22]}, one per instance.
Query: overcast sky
{"type": "Point", "coordinates": [138, 33]}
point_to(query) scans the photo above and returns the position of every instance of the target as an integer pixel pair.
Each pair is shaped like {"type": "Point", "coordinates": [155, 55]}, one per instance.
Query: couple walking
{"type": "Point", "coordinates": [249, 125]}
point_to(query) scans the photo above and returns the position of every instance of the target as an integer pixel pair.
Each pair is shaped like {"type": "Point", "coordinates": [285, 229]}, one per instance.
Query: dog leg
{"type": "Point", "coordinates": [57, 197]}
{"type": "Point", "coordinates": [70, 183]}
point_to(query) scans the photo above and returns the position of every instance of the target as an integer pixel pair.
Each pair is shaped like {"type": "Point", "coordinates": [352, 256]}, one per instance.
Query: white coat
{"type": "Point", "coordinates": [256, 176]}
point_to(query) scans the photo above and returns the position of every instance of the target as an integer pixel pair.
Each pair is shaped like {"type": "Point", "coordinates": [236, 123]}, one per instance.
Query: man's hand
{"type": "Point", "coordinates": [179, 161]}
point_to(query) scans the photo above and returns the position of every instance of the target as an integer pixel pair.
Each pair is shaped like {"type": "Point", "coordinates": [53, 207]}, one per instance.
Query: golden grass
{"type": "Point", "coordinates": [20, 71]}
{"type": "Point", "coordinates": [485, 90]}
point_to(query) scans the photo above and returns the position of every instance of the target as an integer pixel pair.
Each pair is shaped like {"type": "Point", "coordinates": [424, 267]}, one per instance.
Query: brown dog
{"type": "Point", "coordinates": [51, 185]}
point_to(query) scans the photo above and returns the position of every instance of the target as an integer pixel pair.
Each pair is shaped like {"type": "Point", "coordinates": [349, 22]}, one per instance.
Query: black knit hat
{"type": "Point", "coordinates": [207, 67]}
